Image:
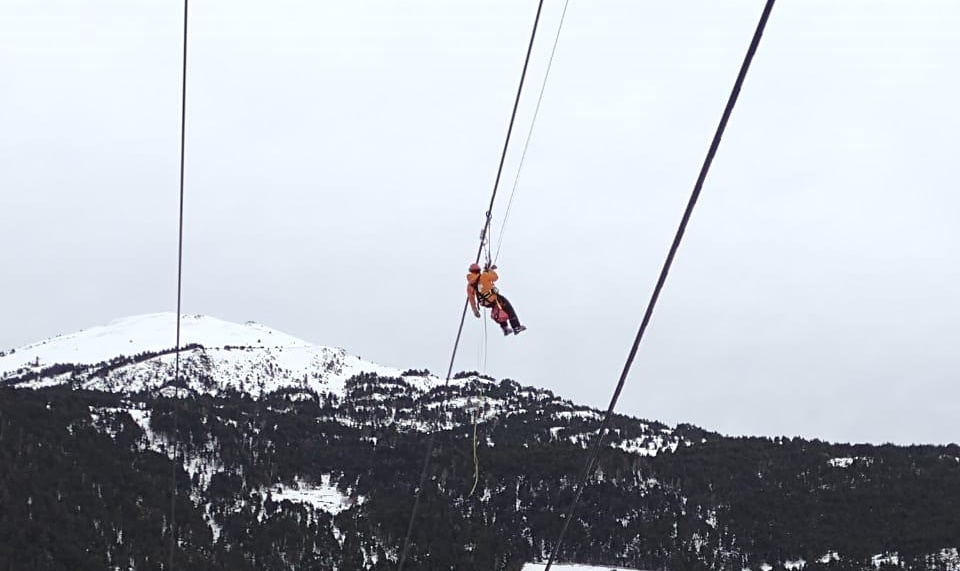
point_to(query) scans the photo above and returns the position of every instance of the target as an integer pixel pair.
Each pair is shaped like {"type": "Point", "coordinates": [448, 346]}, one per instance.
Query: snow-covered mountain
{"type": "Point", "coordinates": [145, 333]}
{"type": "Point", "coordinates": [289, 452]}
{"type": "Point", "coordinates": [135, 355]}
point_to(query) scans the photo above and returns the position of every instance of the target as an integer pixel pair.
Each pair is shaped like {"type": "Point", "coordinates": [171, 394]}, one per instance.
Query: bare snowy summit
{"type": "Point", "coordinates": [135, 354]}
{"type": "Point", "coordinates": [153, 332]}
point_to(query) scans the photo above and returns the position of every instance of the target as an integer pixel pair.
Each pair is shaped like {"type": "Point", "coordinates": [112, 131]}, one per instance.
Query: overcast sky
{"type": "Point", "coordinates": [340, 157]}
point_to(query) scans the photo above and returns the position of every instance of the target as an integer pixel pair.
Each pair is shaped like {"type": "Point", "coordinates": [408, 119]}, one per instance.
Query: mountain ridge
{"type": "Point", "coordinates": [220, 358]}
{"type": "Point", "coordinates": [304, 457]}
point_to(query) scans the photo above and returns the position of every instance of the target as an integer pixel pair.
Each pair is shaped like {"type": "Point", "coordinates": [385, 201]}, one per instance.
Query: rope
{"type": "Point", "coordinates": [485, 346]}
{"type": "Point", "coordinates": [463, 314]}
{"type": "Point", "coordinates": [476, 461]}
{"type": "Point", "coordinates": [176, 367]}
{"type": "Point", "coordinates": [476, 414]}
{"type": "Point", "coordinates": [598, 440]}
{"type": "Point", "coordinates": [526, 144]}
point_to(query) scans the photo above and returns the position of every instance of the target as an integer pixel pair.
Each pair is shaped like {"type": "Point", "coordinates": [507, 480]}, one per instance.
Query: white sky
{"type": "Point", "coordinates": [341, 156]}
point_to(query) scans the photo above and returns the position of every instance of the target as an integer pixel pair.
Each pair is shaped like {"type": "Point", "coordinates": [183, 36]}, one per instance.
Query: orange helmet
{"type": "Point", "coordinates": [474, 267]}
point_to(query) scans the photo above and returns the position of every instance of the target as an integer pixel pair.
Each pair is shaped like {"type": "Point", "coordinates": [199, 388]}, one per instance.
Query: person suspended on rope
{"type": "Point", "coordinates": [482, 292]}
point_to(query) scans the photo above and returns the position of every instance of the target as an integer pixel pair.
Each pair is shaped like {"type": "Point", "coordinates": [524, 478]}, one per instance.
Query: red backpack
{"type": "Point", "coordinates": [498, 314]}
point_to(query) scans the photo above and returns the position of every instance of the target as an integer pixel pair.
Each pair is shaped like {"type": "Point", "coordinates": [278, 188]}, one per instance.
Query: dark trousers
{"type": "Point", "coordinates": [511, 313]}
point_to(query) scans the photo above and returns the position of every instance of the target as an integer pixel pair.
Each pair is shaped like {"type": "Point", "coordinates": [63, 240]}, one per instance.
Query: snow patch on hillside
{"type": "Point", "coordinates": [886, 559]}
{"type": "Point", "coordinates": [829, 556]}
{"type": "Point", "coordinates": [947, 559]}
{"type": "Point", "coordinates": [153, 440]}
{"type": "Point", "coordinates": [847, 462]}
{"type": "Point", "coordinates": [649, 446]}
{"type": "Point", "coordinates": [324, 496]}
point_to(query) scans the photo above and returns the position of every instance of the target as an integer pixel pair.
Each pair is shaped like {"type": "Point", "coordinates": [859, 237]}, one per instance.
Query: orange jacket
{"type": "Point", "coordinates": [487, 291]}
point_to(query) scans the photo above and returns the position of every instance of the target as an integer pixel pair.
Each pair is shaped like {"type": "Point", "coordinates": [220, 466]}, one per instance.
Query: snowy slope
{"type": "Point", "coordinates": [250, 358]}
{"type": "Point", "coordinates": [142, 333]}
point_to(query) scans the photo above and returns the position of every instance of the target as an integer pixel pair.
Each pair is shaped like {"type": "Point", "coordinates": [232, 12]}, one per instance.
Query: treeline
{"type": "Point", "coordinates": [79, 492]}
{"type": "Point", "coordinates": [91, 370]}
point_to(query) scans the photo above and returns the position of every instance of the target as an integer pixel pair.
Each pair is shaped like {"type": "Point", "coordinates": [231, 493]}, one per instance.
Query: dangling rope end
{"type": "Point", "coordinates": [476, 463]}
